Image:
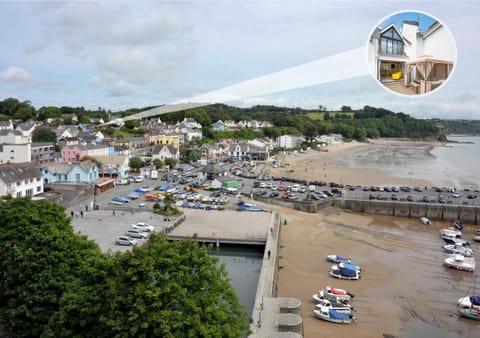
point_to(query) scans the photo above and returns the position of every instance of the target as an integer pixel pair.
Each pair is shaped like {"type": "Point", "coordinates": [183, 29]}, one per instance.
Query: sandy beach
{"type": "Point", "coordinates": [333, 165]}
{"type": "Point", "coordinates": [405, 290]}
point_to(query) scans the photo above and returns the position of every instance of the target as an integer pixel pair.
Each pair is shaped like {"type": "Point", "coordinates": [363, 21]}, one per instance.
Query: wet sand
{"type": "Point", "coordinates": [405, 290]}
{"type": "Point", "coordinates": [379, 162]}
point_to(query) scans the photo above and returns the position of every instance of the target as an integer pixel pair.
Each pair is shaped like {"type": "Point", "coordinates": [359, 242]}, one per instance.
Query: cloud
{"type": "Point", "coordinates": [35, 46]}
{"type": "Point", "coordinates": [15, 75]}
{"type": "Point", "coordinates": [113, 86]}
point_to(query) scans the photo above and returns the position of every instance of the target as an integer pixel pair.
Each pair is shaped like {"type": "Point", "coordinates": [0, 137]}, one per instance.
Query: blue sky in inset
{"type": "Point", "coordinates": [424, 20]}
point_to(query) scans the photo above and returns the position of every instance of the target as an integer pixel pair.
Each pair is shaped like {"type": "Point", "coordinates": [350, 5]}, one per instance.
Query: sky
{"type": "Point", "coordinates": [124, 54]}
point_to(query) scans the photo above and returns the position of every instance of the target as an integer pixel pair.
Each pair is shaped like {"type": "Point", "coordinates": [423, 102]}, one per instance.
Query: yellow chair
{"type": "Point", "coordinates": [397, 75]}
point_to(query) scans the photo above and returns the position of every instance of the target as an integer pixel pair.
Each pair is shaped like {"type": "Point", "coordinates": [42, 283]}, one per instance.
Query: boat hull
{"type": "Point", "coordinates": [321, 315]}
{"type": "Point", "coordinates": [469, 313]}
{"type": "Point", "coordinates": [337, 272]}
{"type": "Point", "coordinates": [461, 263]}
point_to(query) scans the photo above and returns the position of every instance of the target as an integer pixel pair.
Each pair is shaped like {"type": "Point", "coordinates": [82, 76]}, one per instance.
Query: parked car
{"type": "Point", "coordinates": [138, 178]}
{"type": "Point", "coordinates": [125, 240]}
{"type": "Point", "coordinates": [136, 233]}
{"type": "Point", "coordinates": [122, 182]}
{"type": "Point", "coordinates": [143, 226]}
{"type": "Point", "coordinates": [119, 199]}
{"type": "Point", "coordinates": [274, 194]}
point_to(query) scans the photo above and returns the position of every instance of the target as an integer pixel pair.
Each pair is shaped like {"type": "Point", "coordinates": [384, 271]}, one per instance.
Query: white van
{"type": "Point", "coordinates": [138, 179]}
{"type": "Point", "coordinates": [122, 182]}
{"type": "Point", "coordinates": [312, 188]}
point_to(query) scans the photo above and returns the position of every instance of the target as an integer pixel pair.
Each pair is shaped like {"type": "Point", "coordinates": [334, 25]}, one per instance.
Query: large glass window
{"type": "Point", "coordinates": [391, 43]}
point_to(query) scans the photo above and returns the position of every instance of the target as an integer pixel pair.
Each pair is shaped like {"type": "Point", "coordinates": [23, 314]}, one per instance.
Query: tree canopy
{"type": "Point", "coordinates": [54, 283]}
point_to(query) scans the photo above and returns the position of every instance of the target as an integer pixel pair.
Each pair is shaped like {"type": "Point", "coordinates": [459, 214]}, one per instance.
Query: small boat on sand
{"type": "Point", "coordinates": [337, 259]}
{"type": "Point", "coordinates": [476, 237]}
{"type": "Point", "coordinates": [333, 316]}
{"type": "Point", "coordinates": [458, 224]}
{"type": "Point", "coordinates": [458, 249]}
{"type": "Point", "coordinates": [450, 232]}
{"type": "Point", "coordinates": [345, 271]}
{"type": "Point", "coordinates": [469, 313]}
{"type": "Point", "coordinates": [333, 295]}
{"type": "Point", "coordinates": [425, 221]}
{"type": "Point", "coordinates": [346, 308]}
{"type": "Point", "coordinates": [469, 302]}
{"type": "Point", "coordinates": [460, 262]}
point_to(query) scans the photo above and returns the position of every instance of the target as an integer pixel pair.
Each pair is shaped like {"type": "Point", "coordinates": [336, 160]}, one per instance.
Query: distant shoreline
{"type": "Point", "coordinates": [332, 164]}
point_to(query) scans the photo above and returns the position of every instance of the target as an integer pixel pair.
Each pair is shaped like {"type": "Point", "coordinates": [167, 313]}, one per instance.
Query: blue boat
{"type": "Point", "coordinates": [337, 259]}
{"type": "Point", "coordinates": [345, 271]}
{"type": "Point", "coordinates": [334, 316]}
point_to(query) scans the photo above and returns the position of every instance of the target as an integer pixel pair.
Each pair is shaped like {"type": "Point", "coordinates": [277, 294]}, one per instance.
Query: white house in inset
{"type": "Point", "coordinates": [419, 60]}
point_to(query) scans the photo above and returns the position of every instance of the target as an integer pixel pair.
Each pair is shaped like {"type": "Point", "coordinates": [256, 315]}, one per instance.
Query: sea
{"type": "Point", "coordinates": [454, 163]}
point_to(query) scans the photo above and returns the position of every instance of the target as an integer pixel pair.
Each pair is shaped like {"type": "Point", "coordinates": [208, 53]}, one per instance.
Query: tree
{"type": "Point", "coordinates": [191, 155]}
{"type": "Point", "coordinates": [44, 135]}
{"type": "Point", "coordinates": [158, 163]}
{"type": "Point", "coordinates": [171, 162]}
{"type": "Point", "coordinates": [54, 283]}
{"type": "Point", "coordinates": [173, 290]}
{"type": "Point", "coordinates": [34, 275]}
{"type": "Point", "coordinates": [135, 163]}
{"type": "Point", "coordinates": [49, 112]}
{"type": "Point", "coordinates": [346, 109]}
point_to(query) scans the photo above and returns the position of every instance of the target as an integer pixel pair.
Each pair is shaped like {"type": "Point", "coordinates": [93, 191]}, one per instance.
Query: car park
{"type": "Point", "coordinates": [136, 233]}
{"type": "Point", "coordinates": [143, 226]}
{"type": "Point", "coordinates": [125, 240]}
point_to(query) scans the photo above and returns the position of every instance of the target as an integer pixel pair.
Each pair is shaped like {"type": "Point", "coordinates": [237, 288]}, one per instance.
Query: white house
{"type": "Point", "coordinates": [422, 60]}
{"type": "Point", "coordinates": [289, 141]}
{"type": "Point", "coordinates": [20, 180]}
{"type": "Point", "coordinates": [164, 151]}
{"type": "Point", "coordinates": [15, 153]}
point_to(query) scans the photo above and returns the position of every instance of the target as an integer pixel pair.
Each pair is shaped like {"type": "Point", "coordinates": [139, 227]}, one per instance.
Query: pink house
{"type": "Point", "coordinates": [71, 154]}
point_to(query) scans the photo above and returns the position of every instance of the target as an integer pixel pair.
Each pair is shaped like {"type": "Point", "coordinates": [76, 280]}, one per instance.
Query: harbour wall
{"type": "Point", "coordinates": [436, 212]}
{"type": "Point", "coordinates": [469, 214]}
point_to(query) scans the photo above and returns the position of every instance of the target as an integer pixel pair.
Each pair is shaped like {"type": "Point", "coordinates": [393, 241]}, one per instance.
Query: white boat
{"type": "Point", "coordinates": [333, 295]}
{"type": "Point", "coordinates": [345, 271]}
{"type": "Point", "coordinates": [469, 302]}
{"type": "Point", "coordinates": [476, 237]}
{"type": "Point", "coordinates": [458, 249]}
{"type": "Point", "coordinates": [337, 259]}
{"type": "Point", "coordinates": [333, 316]}
{"type": "Point", "coordinates": [460, 262]}
{"type": "Point", "coordinates": [469, 313]}
{"type": "Point", "coordinates": [425, 220]}
{"type": "Point", "coordinates": [345, 308]}
{"type": "Point", "coordinates": [451, 231]}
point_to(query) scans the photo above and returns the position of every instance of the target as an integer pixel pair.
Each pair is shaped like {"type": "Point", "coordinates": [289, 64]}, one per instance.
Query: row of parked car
{"type": "Point", "coordinates": [137, 231]}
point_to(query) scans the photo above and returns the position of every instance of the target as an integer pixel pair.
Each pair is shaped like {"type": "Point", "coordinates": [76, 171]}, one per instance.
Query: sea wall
{"type": "Point", "coordinates": [437, 212]}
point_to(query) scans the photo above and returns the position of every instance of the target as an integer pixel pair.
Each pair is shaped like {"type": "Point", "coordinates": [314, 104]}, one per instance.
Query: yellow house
{"type": "Point", "coordinates": [163, 139]}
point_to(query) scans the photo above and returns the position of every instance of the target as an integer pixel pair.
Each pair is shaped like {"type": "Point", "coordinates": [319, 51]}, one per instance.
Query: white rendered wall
{"type": "Point", "coordinates": [439, 44]}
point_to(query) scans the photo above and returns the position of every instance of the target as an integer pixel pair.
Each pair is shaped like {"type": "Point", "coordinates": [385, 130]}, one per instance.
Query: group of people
{"type": "Point", "coordinates": [80, 213]}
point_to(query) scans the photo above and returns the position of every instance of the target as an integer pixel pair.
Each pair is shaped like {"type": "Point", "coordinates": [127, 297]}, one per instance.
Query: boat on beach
{"type": "Point", "coordinates": [469, 313]}
{"type": "Point", "coordinates": [460, 262]}
{"type": "Point", "coordinates": [476, 237]}
{"type": "Point", "coordinates": [425, 220]}
{"type": "Point", "coordinates": [345, 271]}
{"type": "Point", "coordinates": [450, 232]}
{"type": "Point", "coordinates": [469, 302]}
{"type": "Point", "coordinates": [337, 259]}
{"type": "Point", "coordinates": [345, 308]}
{"type": "Point", "coordinates": [459, 249]}
{"type": "Point", "coordinates": [458, 224]}
{"type": "Point", "coordinates": [333, 316]}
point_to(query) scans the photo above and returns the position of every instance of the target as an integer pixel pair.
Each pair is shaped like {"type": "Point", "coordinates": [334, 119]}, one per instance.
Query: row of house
{"type": "Point", "coordinates": [232, 125]}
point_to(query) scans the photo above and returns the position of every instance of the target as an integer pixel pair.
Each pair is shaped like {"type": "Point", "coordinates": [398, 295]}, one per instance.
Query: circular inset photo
{"type": "Point", "coordinates": [411, 53]}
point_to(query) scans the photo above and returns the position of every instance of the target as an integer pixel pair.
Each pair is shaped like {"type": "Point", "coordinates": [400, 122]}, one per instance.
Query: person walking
{"type": "Point", "coordinates": [72, 213]}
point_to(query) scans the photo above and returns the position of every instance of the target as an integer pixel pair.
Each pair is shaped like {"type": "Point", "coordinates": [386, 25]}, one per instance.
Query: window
{"type": "Point", "coordinates": [391, 43]}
